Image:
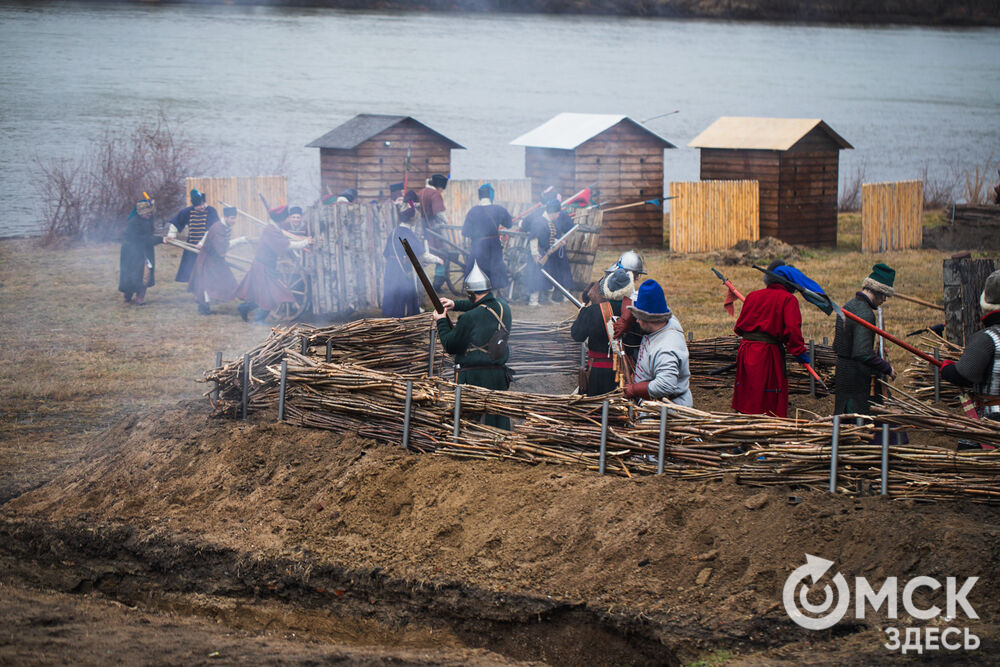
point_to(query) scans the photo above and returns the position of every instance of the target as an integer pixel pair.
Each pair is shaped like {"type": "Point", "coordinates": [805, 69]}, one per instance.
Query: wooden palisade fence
{"type": "Point", "coordinates": [243, 193]}
{"type": "Point", "coordinates": [891, 216]}
{"type": "Point", "coordinates": [345, 263]}
{"type": "Point", "coordinates": [713, 215]}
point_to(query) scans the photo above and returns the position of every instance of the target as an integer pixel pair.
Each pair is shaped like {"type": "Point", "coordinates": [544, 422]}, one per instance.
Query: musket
{"type": "Point", "coordinates": [196, 250]}
{"type": "Point", "coordinates": [288, 234]}
{"type": "Point", "coordinates": [565, 292]}
{"type": "Point", "coordinates": [406, 171]}
{"type": "Point", "coordinates": [616, 346]}
{"type": "Point", "coordinates": [562, 204]}
{"type": "Point", "coordinates": [736, 293]}
{"type": "Point", "coordinates": [555, 246]}
{"type": "Point", "coordinates": [817, 300]}
{"type": "Point", "coordinates": [419, 270]}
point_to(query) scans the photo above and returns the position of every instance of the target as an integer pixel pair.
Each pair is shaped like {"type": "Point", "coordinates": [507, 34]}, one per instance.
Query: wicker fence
{"type": "Point", "coordinates": [244, 194]}
{"type": "Point", "coordinates": [713, 215]}
{"type": "Point", "coordinates": [891, 216]}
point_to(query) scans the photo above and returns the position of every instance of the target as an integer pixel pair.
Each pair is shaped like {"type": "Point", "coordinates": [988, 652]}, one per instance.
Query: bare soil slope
{"type": "Point", "coordinates": [371, 530]}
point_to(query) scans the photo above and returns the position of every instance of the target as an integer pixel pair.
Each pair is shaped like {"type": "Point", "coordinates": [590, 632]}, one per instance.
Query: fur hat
{"type": "Point", "coordinates": [350, 194]}
{"type": "Point", "coordinates": [229, 211]}
{"type": "Point", "coordinates": [769, 279]}
{"type": "Point", "coordinates": [881, 279]}
{"type": "Point", "coordinates": [144, 206]}
{"type": "Point", "coordinates": [486, 191]}
{"type": "Point", "coordinates": [295, 210]}
{"type": "Point", "coordinates": [989, 300]}
{"type": "Point", "coordinates": [617, 285]}
{"type": "Point", "coordinates": [553, 206]}
{"type": "Point", "coordinates": [650, 303]}
{"type": "Point", "coordinates": [440, 181]}
{"type": "Point", "coordinates": [197, 198]}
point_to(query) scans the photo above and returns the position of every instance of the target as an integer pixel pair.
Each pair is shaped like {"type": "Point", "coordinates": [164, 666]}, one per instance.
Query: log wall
{"type": "Point", "coordinates": [626, 164]}
{"type": "Point", "coordinates": [798, 187]}
{"type": "Point", "coordinates": [713, 215]}
{"type": "Point", "coordinates": [244, 194]}
{"type": "Point", "coordinates": [891, 216]}
{"type": "Point", "coordinates": [372, 165]}
{"type": "Point", "coordinates": [964, 280]}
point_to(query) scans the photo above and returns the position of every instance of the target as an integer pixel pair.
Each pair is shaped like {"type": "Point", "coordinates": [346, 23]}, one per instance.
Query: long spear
{"type": "Point", "coordinates": [288, 234]}
{"type": "Point", "coordinates": [735, 292]}
{"type": "Point", "coordinates": [828, 305]}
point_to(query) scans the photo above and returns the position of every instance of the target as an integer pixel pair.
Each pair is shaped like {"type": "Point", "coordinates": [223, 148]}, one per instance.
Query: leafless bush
{"type": "Point", "coordinates": [89, 198]}
{"type": "Point", "coordinates": [939, 191]}
{"type": "Point", "coordinates": [978, 181]}
{"type": "Point", "coordinates": [850, 194]}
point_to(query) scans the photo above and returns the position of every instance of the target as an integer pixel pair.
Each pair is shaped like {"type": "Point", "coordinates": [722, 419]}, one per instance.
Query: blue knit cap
{"type": "Point", "coordinates": [650, 303]}
{"type": "Point", "coordinates": [486, 191]}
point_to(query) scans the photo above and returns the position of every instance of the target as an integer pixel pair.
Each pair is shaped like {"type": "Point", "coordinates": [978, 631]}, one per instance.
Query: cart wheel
{"type": "Point", "coordinates": [455, 273]}
{"type": "Point", "coordinates": [515, 258]}
{"type": "Point", "coordinates": [292, 276]}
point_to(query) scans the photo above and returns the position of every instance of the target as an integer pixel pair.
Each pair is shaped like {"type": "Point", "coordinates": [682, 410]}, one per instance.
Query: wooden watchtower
{"type": "Point", "coordinates": [369, 153]}
{"type": "Point", "coordinates": [620, 156]}
{"type": "Point", "coordinates": [796, 163]}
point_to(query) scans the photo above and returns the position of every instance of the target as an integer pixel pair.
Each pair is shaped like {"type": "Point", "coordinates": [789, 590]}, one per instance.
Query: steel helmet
{"type": "Point", "coordinates": [631, 261]}
{"type": "Point", "coordinates": [477, 281]}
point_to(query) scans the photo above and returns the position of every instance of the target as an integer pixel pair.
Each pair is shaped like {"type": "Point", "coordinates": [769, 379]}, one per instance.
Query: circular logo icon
{"type": "Point", "coordinates": [794, 595]}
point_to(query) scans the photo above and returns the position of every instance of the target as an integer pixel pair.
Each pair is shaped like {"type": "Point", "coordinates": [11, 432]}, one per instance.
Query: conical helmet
{"type": "Point", "coordinates": [477, 281]}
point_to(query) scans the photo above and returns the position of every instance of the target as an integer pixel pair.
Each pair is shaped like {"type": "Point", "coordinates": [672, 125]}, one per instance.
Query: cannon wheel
{"type": "Point", "coordinates": [454, 267]}
{"type": "Point", "coordinates": [517, 256]}
{"type": "Point", "coordinates": [293, 276]}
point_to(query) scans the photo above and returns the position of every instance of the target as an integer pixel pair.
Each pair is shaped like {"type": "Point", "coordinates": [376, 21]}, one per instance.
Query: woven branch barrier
{"type": "Point", "coordinates": [347, 395]}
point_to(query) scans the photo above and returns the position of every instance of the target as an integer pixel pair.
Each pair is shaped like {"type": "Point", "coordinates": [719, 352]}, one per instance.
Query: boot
{"type": "Point", "coordinates": [203, 309]}
{"type": "Point", "coordinates": [533, 299]}
{"type": "Point", "coordinates": [244, 310]}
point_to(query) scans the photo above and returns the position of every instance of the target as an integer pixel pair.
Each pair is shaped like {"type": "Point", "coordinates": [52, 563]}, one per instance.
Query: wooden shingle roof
{"type": "Point", "coordinates": [363, 127]}
{"type": "Point", "coordinates": [568, 130]}
{"type": "Point", "coordinates": [775, 134]}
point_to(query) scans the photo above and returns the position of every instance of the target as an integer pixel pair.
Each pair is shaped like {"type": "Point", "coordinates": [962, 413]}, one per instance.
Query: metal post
{"type": "Point", "coordinates": [833, 453]}
{"type": "Point", "coordinates": [406, 414]}
{"type": "Point", "coordinates": [663, 439]}
{"type": "Point", "coordinates": [281, 391]}
{"type": "Point", "coordinates": [826, 342]}
{"type": "Point", "coordinates": [246, 382]}
{"type": "Point", "coordinates": [604, 436]}
{"type": "Point", "coordinates": [812, 357]}
{"type": "Point", "coordinates": [937, 376]}
{"type": "Point", "coordinates": [885, 459]}
{"type": "Point", "coordinates": [218, 363]}
{"type": "Point", "coordinates": [690, 336]}
{"type": "Point", "coordinates": [329, 350]}
{"type": "Point", "coordinates": [458, 409]}
{"type": "Point", "coordinates": [430, 362]}
{"type": "Point", "coordinates": [305, 345]}
{"type": "Point", "coordinates": [583, 354]}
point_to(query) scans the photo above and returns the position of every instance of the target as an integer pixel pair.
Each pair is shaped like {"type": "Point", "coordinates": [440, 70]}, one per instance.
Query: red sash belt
{"type": "Point", "coordinates": [600, 359]}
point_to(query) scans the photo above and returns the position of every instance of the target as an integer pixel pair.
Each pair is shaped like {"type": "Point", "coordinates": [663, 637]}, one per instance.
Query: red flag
{"type": "Point", "coordinates": [581, 199]}
{"type": "Point", "coordinates": [730, 300]}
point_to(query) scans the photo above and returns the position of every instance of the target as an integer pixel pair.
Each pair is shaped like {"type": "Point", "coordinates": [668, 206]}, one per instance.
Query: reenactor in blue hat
{"type": "Point", "coordinates": [661, 370]}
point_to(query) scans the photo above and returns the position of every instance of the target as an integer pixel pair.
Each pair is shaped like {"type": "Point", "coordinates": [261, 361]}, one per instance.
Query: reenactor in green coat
{"type": "Point", "coordinates": [479, 338]}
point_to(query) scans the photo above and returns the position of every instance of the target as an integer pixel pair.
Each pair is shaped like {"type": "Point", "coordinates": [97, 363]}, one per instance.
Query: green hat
{"type": "Point", "coordinates": [880, 280]}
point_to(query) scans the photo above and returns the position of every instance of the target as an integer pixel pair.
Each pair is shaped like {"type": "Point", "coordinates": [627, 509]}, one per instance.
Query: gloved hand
{"type": "Point", "coordinates": [946, 363]}
{"type": "Point", "coordinates": [637, 390]}
{"type": "Point", "coordinates": [803, 358]}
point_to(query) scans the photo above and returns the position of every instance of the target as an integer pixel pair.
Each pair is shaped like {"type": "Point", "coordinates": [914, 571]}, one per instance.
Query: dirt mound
{"type": "Point", "coordinates": [759, 252]}
{"type": "Point", "coordinates": [696, 561]}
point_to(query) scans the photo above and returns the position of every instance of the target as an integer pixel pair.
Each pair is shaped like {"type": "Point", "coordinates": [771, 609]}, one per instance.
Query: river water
{"type": "Point", "coordinates": [255, 85]}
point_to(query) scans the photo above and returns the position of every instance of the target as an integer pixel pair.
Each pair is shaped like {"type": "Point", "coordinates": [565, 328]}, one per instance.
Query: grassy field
{"type": "Point", "coordinates": [74, 358]}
